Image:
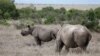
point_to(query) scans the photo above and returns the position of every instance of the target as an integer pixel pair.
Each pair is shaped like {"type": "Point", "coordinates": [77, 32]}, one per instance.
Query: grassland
{"type": "Point", "coordinates": [57, 6]}
{"type": "Point", "coordinates": [13, 44]}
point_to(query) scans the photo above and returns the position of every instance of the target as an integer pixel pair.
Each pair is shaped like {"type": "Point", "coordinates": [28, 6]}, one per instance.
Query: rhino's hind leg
{"type": "Point", "coordinates": [59, 46]}
{"type": "Point", "coordinates": [83, 48]}
{"type": "Point", "coordinates": [67, 49]}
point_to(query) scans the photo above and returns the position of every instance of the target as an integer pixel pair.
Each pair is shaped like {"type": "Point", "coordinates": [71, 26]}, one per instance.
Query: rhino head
{"type": "Point", "coordinates": [27, 31]}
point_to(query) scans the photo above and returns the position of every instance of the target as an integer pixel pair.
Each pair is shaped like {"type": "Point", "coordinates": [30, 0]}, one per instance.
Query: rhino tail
{"type": "Point", "coordinates": [90, 36]}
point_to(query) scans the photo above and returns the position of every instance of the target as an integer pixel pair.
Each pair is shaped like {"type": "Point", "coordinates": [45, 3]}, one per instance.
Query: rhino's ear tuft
{"type": "Point", "coordinates": [29, 26]}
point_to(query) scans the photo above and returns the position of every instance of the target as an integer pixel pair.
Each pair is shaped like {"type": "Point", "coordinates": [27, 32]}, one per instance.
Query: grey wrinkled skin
{"type": "Point", "coordinates": [72, 36]}
{"type": "Point", "coordinates": [43, 33]}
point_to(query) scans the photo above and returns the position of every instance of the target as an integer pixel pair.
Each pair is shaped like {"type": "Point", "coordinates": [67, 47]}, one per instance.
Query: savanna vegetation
{"type": "Point", "coordinates": [13, 44]}
{"type": "Point", "coordinates": [49, 15]}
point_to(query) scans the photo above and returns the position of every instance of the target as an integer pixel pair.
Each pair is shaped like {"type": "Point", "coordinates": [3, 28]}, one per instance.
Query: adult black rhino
{"type": "Point", "coordinates": [73, 36]}
{"type": "Point", "coordinates": [43, 33]}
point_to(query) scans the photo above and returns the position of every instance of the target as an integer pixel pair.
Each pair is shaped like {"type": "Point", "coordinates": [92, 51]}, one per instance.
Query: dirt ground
{"type": "Point", "coordinates": [13, 44]}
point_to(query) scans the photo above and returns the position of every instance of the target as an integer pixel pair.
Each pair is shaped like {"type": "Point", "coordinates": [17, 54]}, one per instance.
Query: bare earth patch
{"type": "Point", "coordinates": [13, 44]}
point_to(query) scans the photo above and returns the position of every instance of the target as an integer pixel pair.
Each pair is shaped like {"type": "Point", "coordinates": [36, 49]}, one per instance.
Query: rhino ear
{"type": "Point", "coordinates": [29, 27]}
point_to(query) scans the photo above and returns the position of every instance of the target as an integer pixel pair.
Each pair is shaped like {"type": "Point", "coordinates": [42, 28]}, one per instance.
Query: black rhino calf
{"type": "Point", "coordinates": [43, 33]}
{"type": "Point", "coordinates": [73, 36]}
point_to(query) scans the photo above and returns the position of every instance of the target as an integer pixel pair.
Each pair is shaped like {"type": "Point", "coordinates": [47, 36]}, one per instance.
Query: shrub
{"type": "Point", "coordinates": [7, 9]}
{"type": "Point", "coordinates": [4, 22]}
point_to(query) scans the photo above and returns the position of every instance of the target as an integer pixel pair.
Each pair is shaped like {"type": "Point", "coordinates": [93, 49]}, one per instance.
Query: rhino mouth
{"type": "Point", "coordinates": [24, 33]}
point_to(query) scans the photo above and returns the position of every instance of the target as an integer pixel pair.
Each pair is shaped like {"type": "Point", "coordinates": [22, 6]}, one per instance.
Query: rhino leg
{"type": "Point", "coordinates": [38, 41]}
{"type": "Point", "coordinates": [53, 35]}
{"type": "Point", "coordinates": [83, 48]}
{"type": "Point", "coordinates": [67, 49]}
{"type": "Point", "coordinates": [59, 46]}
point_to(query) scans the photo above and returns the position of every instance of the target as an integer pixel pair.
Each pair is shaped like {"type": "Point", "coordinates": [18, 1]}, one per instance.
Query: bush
{"type": "Point", "coordinates": [23, 23]}
{"type": "Point", "coordinates": [26, 12]}
{"type": "Point", "coordinates": [7, 9]}
{"type": "Point", "coordinates": [97, 12]}
{"type": "Point", "coordinates": [49, 15]}
{"type": "Point", "coordinates": [91, 21]}
{"type": "Point", "coordinates": [4, 22]}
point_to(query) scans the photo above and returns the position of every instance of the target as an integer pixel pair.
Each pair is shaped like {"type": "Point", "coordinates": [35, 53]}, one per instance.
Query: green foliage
{"type": "Point", "coordinates": [91, 15]}
{"type": "Point", "coordinates": [91, 21]}
{"type": "Point", "coordinates": [73, 16]}
{"type": "Point", "coordinates": [49, 15]}
{"type": "Point", "coordinates": [23, 23]}
{"type": "Point", "coordinates": [26, 12]}
{"type": "Point", "coordinates": [4, 22]}
{"type": "Point", "coordinates": [48, 9]}
{"type": "Point", "coordinates": [97, 12]}
{"type": "Point", "coordinates": [7, 9]}
{"type": "Point", "coordinates": [50, 19]}
{"type": "Point", "coordinates": [7, 15]}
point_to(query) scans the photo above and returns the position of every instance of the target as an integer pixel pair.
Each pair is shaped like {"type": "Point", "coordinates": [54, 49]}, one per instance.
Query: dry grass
{"type": "Point", "coordinates": [57, 6]}
{"type": "Point", "coordinates": [13, 44]}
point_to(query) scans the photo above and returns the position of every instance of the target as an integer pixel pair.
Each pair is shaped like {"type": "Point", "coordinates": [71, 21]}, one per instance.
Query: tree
{"type": "Point", "coordinates": [75, 16]}
{"type": "Point", "coordinates": [91, 21]}
{"type": "Point", "coordinates": [7, 7]}
{"type": "Point", "coordinates": [97, 12]}
{"type": "Point", "coordinates": [26, 12]}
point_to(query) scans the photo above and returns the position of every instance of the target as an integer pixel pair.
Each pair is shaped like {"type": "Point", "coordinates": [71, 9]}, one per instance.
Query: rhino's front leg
{"type": "Point", "coordinates": [59, 46]}
{"type": "Point", "coordinates": [53, 36]}
{"type": "Point", "coordinates": [38, 41]}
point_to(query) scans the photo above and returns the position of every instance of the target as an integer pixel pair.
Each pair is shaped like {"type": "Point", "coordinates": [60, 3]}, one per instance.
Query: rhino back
{"type": "Point", "coordinates": [66, 34]}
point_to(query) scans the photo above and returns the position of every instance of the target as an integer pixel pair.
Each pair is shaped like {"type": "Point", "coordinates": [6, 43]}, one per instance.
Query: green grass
{"type": "Point", "coordinates": [4, 22]}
